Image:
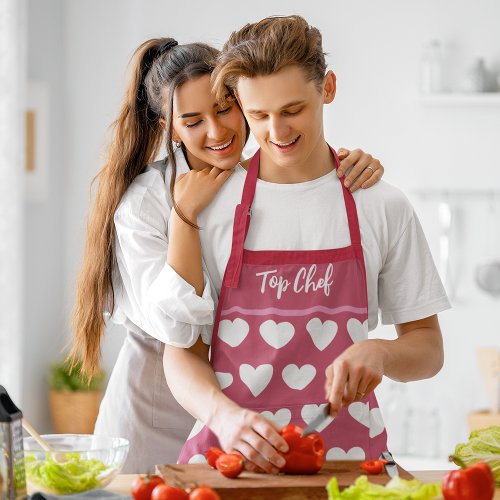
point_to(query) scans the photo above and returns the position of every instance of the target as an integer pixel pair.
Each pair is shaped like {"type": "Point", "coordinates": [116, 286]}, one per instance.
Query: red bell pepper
{"type": "Point", "coordinates": [474, 482]}
{"type": "Point", "coordinates": [306, 454]}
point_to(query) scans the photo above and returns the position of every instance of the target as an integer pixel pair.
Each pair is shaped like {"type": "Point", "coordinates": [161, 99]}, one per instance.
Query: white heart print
{"type": "Point", "coordinates": [281, 418]}
{"type": "Point", "coordinates": [275, 334]}
{"type": "Point", "coordinates": [357, 330]}
{"type": "Point", "coordinates": [298, 378]}
{"type": "Point", "coordinates": [197, 459]}
{"type": "Point", "coordinates": [369, 418]}
{"type": "Point", "coordinates": [224, 379]}
{"type": "Point", "coordinates": [308, 412]}
{"type": "Point", "coordinates": [322, 334]}
{"type": "Point", "coordinates": [355, 453]}
{"type": "Point", "coordinates": [256, 379]}
{"type": "Point", "coordinates": [233, 332]}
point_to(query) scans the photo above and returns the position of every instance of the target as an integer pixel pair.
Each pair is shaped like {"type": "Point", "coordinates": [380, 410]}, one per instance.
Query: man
{"type": "Point", "coordinates": [308, 268]}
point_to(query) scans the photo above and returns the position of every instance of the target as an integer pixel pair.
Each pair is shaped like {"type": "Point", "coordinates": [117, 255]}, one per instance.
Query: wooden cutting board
{"type": "Point", "coordinates": [251, 486]}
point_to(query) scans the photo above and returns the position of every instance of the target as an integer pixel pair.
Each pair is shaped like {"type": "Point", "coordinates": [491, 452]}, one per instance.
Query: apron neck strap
{"type": "Point", "coordinates": [350, 206]}
{"type": "Point", "coordinates": [242, 219]}
{"type": "Point", "coordinates": [251, 180]}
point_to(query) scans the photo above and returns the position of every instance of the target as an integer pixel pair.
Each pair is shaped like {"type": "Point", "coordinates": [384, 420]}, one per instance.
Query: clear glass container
{"type": "Point", "coordinates": [431, 69]}
{"type": "Point", "coordinates": [78, 462]}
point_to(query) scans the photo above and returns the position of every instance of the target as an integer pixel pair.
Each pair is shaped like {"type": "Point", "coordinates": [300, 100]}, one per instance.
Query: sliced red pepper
{"type": "Point", "coordinates": [373, 466]}
{"type": "Point", "coordinates": [306, 454]}
{"type": "Point", "coordinates": [475, 482]}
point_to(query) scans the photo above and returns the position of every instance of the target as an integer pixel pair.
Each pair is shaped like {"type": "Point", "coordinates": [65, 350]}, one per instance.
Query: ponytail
{"type": "Point", "coordinates": [137, 136]}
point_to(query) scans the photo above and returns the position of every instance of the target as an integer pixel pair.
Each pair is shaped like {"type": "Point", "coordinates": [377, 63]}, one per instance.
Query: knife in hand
{"type": "Point", "coordinates": [322, 419]}
{"type": "Point", "coordinates": [390, 466]}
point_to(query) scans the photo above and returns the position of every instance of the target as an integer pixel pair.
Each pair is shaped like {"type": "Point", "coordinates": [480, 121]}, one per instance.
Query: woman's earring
{"type": "Point", "coordinates": [177, 144]}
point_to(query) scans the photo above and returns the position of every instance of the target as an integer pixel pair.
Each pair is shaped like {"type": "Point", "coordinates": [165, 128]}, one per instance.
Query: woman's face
{"type": "Point", "coordinates": [212, 135]}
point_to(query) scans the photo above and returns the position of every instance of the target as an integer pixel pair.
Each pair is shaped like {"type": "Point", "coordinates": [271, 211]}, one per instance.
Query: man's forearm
{"type": "Point", "coordinates": [416, 354]}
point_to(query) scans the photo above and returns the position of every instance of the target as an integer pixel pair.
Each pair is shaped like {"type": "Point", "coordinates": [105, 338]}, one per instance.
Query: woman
{"type": "Point", "coordinates": [302, 272]}
{"type": "Point", "coordinates": [125, 270]}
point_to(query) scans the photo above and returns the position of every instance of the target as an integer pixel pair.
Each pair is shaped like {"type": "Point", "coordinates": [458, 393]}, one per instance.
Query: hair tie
{"type": "Point", "coordinates": [166, 46]}
{"type": "Point", "coordinates": [147, 62]}
{"type": "Point", "coordinates": [153, 53]}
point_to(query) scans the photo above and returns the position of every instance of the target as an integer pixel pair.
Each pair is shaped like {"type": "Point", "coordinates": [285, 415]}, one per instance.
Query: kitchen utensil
{"type": "Point", "coordinates": [322, 418]}
{"type": "Point", "coordinates": [253, 486]}
{"type": "Point", "coordinates": [488, 278]}
{"type": "Point", "coordinates": [445, 212]}
{"type": "Point", "coordinates": [90, 462]}
{"type": "Point", "coordinates": [390, 467]}
{"type": "Point", "coordinates": [32, 432]}
{"type": "Point", "coordinates": [12, 473]}
{"type": "Point", "coordinates": [488, 273]}
{"type": "Point", "coordinates": [58, 457]}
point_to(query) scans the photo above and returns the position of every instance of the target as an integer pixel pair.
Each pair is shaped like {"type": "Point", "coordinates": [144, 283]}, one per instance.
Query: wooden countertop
{"type": "Point", "coordinates": [121, 484]}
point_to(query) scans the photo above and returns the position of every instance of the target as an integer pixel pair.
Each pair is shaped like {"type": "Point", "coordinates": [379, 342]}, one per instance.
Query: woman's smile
{"type": "Point", "coordinates": [222, 148]}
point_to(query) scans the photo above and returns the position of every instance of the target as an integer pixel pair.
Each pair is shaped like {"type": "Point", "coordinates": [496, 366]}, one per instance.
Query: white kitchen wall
{"type": "Point", "coordinates": [13, 29]}
{"type": "Point", "coordinates": [82, 48]}
{"type": "Point", "coordinates": [44, 317]}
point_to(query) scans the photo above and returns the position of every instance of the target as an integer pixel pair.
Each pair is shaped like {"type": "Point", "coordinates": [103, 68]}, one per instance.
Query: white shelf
{"type": "Point", "coordinates": [454, 98]}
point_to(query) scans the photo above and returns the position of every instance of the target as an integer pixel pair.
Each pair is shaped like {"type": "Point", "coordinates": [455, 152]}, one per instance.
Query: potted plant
{"type": "Point", "coordinates": [74, 400]}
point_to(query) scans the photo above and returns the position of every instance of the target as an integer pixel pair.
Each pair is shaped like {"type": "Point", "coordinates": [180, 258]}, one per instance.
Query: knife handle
{"type": "Point", "coordinates": [387, 455]}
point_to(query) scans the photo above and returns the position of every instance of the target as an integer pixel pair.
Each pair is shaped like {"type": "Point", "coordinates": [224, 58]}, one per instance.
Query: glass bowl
{"type": "Point", "coordinates": [79, 462]}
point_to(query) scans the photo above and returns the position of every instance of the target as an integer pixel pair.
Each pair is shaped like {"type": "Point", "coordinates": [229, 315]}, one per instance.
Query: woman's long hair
{"type": "Point", "coordinates": [159, 66]}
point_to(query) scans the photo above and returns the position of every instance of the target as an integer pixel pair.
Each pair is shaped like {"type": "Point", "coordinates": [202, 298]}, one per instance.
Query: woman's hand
{"type": "Point", "coordinates": [196, 189]}
{"type": "Point", "coordinates": [354, 374]}
{"type": "Point", "coordinates": [365, 172]}
{"type": "Point", "coordinates": [253, 436]}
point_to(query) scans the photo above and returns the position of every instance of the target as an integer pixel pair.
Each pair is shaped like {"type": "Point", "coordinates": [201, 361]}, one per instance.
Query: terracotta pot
{"type": "Point", "coordinates": [74, 412]}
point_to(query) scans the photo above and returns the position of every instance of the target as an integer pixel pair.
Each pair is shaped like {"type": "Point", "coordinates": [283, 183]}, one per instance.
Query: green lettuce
{"type": "Point", "coordinates": [71, 476]}
{"type": "Point", "coordinates": [483, 446]}
{"type": "Point", "coordinates": [395, 489]}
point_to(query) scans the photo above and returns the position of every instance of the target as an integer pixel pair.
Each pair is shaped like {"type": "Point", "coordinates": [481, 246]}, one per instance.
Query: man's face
{"type": "Point", "coordinates": [285, 113]}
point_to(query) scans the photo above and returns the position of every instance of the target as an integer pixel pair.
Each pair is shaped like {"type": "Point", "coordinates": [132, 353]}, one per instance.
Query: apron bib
{"type": "Point", "coordinates": [282, 319]}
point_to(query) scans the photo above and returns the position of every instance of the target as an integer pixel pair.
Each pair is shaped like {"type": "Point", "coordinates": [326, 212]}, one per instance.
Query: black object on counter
{"type": "Point", "coordinates": [12, 473]}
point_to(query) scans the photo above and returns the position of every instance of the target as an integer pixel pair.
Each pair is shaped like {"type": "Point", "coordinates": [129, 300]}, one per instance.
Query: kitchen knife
{"type": "Point", "coordinates": [323, 418]}
{"type": "Point", "coordinates": [390, 467]}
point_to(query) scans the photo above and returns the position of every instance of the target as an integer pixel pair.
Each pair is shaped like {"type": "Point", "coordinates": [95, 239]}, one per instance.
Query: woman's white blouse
{"type": "Point", "coordinates": [150, 297]}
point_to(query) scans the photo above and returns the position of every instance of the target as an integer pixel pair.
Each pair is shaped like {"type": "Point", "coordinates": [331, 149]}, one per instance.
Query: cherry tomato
{"type": "Point", "coordinates": [167, 492]}
{"type": "Point", "coordinates": [143, 486]}
{"type": "Point", "coordinates": [230, 464]}
{"type": "Point", "coordinates": [204, 493]}
{"type": "Point", "coordinates": [212, 455]}
{"type": "Point", "coordinates": [373, 466]}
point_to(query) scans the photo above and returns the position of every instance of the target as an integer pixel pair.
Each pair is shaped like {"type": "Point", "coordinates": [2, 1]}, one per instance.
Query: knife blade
{"type": "Point", "coordinates": [323, 418]}
{"type": "Point", "coordinates": [390, 467]}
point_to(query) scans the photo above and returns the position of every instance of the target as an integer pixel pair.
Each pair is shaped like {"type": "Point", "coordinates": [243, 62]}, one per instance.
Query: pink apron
{"type": "Point", "coordinates": [283, 317]}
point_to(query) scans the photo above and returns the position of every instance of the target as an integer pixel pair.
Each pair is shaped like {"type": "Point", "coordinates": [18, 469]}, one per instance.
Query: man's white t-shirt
{"type": "Point", "coordinates": [402, 279]}
{"type": "Point", "coordinates": [151, 298]}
